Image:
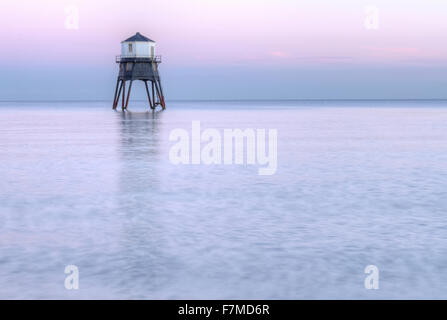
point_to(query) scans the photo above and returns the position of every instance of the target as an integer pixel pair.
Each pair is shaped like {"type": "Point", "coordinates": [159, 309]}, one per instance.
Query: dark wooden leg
{"type": "Point", "coordinates": [153, 94]}
{"type": "Point", "coordinates": [128, 93]}
{"type": "Point", "coordinates": [161, 89]}
{"type": "Point", "coordinates": [148, 94]}
{"type": "Point", "coordinates": [124, 94]}
{"type": "Point", "coordinates": [160, 96]}
{"type": "Point", "coordinates": [116, 92]}
{"type": "Point", "coordinates": [118, 96]}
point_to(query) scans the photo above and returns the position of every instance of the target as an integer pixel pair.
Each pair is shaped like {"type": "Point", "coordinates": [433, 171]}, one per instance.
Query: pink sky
{"type": "Point", "coordinates": [228, 31]}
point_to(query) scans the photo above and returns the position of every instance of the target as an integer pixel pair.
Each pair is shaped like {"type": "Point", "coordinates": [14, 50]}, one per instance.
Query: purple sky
{"type": "Point", "coordinates": [252, 49]}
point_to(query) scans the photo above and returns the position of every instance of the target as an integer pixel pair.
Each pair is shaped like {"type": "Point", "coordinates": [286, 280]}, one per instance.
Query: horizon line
{"type": "Point", "coordinates": [232, 100]}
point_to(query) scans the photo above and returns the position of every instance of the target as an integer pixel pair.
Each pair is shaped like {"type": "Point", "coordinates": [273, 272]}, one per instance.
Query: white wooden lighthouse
{"type": "Point", "coordinates": [138, 61]}
{"type": "Point", "coordinates": [138, 46]}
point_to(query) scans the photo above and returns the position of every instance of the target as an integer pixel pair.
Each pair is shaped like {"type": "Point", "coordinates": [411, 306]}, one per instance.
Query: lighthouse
{"type": "Point", "coordinates": [138, 61]}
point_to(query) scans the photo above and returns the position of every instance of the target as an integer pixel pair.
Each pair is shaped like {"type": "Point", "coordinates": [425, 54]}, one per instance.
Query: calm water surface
{"type": "Point", "coordinates": [357, 183]}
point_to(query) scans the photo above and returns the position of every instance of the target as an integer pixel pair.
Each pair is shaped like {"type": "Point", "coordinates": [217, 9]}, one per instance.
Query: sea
{"type": "Point", "coordinates": [359, 197]}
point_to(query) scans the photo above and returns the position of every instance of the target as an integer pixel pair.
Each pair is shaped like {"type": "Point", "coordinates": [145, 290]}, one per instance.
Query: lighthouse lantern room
{"type": "Point", "coordinates": [138, 61]}
{"type": "Point", "coordinates": [138, 46]}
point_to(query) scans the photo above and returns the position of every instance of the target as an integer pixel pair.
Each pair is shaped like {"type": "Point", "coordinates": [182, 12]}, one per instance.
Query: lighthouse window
{"type": "Point", "coordinates": [130, 47]}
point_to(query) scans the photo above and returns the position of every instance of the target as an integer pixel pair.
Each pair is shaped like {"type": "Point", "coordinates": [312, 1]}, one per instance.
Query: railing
{"type": "Point", "coordinates": [139, 57]}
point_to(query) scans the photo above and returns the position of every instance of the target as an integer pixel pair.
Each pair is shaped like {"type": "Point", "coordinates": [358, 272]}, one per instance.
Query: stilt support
{"type": "Point", "coordinates": [116, 92]}
{"type": "Point", "coordinates": [148, 95]}
{"type": "Point", "coordinates": [154, 100]}
{"type": "Point", "coordinates": [153, 94]}
{"type": "Point", "coordinates": [118, 96]}
{"type": "Point", "coordinates": [160, 95]}
{"type": "Point", "coordinates": [124, 94]}
{"type": "Point", "coordinates": [128, 94]}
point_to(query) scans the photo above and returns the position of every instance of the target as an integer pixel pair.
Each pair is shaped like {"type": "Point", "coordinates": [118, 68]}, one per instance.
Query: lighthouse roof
{"type": "Point", "coordinates": [138, 37]}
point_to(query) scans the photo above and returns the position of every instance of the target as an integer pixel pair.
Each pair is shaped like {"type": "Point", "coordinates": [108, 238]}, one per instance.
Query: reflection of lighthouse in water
{"type": "Point", "coordinates": [138, 62]}
{"type": "Point", "coordinates": [140, 152]}
{"type": "Point", "coordinates": [143, 241]}
{"type": "Point", "coordinates": [140, 137]}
